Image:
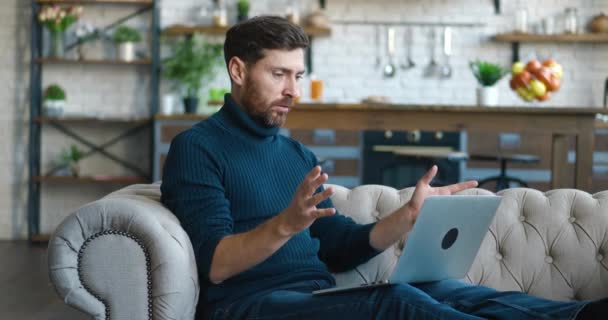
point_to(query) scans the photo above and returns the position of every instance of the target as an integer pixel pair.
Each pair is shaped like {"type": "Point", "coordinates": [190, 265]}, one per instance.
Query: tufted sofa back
{"type": "Point", "coordinates": [552, 244]}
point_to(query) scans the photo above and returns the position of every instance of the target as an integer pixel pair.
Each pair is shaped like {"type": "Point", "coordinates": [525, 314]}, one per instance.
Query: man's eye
{"type": "Point", "coordinates": [299, 77]}
{"type": "Point", "coordinates": [278, 74]}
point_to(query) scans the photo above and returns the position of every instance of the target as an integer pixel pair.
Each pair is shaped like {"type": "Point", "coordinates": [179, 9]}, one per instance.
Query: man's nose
{"type": "Point", "coordinates": [292, 88]}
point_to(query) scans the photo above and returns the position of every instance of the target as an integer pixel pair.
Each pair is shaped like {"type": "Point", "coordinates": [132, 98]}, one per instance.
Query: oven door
{"type": "Point", "coordinates": [399, 172]}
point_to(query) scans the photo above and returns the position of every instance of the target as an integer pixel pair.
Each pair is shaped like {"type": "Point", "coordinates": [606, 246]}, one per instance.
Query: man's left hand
{"type": "Point", "coordinates": [424, 190]}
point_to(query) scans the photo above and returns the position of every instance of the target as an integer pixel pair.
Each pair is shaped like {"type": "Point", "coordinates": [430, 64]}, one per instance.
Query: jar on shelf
{"type": "Point", "coordinates": [571, 20]}
{"type": "Point", "coordinates": [219, 13]}
{"type": "Point", "coordinates": [292, 13]}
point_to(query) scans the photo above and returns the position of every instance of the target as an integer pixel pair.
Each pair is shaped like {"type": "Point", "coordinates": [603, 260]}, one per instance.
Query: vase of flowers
{"type": "Point", "coordinates": [56, 20]}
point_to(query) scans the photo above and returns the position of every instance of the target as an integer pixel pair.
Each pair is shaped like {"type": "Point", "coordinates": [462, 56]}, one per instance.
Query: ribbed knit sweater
{"type": "Point", "coordinates": [227, 175]}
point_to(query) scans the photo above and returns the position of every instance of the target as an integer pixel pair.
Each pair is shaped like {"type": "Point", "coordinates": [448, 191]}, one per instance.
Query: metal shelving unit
{"type": "Point", "coordinates": [65, 125]}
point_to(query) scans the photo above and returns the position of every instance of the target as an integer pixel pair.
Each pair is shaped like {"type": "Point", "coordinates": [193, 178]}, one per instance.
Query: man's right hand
{"type": "Point", "coordinates": [303, 211]}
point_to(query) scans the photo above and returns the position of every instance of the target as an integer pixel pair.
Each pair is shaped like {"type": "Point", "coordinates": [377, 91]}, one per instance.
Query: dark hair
{"type": "Point", "coordinates": [248, 39]}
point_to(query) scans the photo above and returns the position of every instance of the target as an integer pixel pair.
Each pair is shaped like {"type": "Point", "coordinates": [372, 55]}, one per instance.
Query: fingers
{"type": "Point", "coordinates": [428, 177]}
{"type": "Point", "coordinates": [313, 180]}
{"type": "Point", "coordinates": [319, 197]}
{"type": "Point", "coordinates": [320, 213]}
{"type": "Point", "coordinates": [453, 188]}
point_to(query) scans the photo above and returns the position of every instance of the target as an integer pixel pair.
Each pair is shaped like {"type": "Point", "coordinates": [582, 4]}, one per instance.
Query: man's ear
{"type": "Point", "coordinates": [238, 70]}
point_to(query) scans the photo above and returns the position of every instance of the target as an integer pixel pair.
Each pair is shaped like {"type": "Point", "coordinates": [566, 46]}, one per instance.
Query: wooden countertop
{"type": "Point", "coordinates": [372, 107]}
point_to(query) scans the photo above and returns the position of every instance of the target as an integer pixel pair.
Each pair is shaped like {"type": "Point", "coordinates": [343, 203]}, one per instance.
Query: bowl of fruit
{"type": "Point", "coordinates": [535, 80]}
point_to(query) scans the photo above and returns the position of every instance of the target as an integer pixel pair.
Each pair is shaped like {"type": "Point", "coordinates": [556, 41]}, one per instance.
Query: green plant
{"type": "Point", "coordinates": [487, 73]}
{"type": "Point", "coordinates": [71, 155]}
{"type": "Point", "coordinates": [192, 62]}
{"type": "Point", "coordinates": [54, 92]}
{"type": "Point", "coordinates": [243, 7]}
{"type": "Point", "coordinates": [124, 34]}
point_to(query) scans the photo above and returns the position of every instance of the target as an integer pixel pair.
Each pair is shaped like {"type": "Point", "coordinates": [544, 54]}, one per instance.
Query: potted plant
{"type": "Point", "coordinates": [53, 101]}
{"type": "Point", "coordinates": [242, 7]}
{"type": "Point", "coordinates": [57, 19]}
{"type": "Point", "coordinates": [70, 158]}
{"type": "Point", "coordinates": [126, 38]}
{"type": "Point", "coordinates": [192, 62]}
{"type": "Point", "coordinates": [487, 75]}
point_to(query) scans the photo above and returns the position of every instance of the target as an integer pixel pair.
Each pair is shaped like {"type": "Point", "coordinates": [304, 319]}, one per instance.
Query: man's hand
{"type": "Point", "coordinates": [392, 228]}
{"type": "Point", "coordinates": [424, 190]}
{"type": "Point", "coordinates": [302, 210]}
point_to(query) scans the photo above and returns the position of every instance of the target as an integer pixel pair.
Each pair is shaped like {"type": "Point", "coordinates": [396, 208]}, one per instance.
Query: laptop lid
{"type": "Point", "coordinates": [445, 238]}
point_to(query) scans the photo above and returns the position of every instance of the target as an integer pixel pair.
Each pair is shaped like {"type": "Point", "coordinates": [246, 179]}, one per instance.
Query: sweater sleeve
{"type": "Point", "coordinates": [344, 244]}
{"type": "Point", "coordinates": [192, 189]}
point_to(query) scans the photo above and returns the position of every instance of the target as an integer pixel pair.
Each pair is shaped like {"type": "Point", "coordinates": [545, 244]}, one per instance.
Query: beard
{"type": "Point", "coordinates": [260, 109]}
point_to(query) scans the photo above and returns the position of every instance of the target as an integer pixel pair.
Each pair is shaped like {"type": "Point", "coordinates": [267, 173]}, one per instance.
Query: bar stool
{"type": "Point", "coordinates": [429, 154]}
{"type": "Point", "coordinates": [503, 181]}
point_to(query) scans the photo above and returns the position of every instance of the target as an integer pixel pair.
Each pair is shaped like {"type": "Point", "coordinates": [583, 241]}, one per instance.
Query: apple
{"type": "Point", "coordinates": [522, 79]}
{"type": "Point", "coordinates": [544, 75]}
{"type": "Point", "coordinates": [554, 84]}
{"type": "Point", "coordinates": [517, 68]}
{"type": "Point", "coordinates": [521, 92]}
{"type": "Point", "coordinates": [538, 87]}
{"type": "Point", "coordinates": [558, 70]}
{"type": "Point", "coordinates": [555, 67]}
{"type": "Point", "coordinates": [549, 62]}
{"type": "Point", "coordinates": [512, 84]}
{"type": "Point", "coordinates": [545, 97]}
{"type": "Point", "coordinates": [533, 65]}
{"type": "Point", "coordinates": [529, 95]}
{"type": "Point", "coordinates": [525, 94]}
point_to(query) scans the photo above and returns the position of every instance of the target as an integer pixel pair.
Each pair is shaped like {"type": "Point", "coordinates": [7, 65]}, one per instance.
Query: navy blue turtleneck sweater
{"type": "Point", "coordinates": [227, 175]}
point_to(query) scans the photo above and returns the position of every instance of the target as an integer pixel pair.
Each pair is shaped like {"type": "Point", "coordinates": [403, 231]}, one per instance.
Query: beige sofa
{"type": "Point", "coordinates": [126, 256]}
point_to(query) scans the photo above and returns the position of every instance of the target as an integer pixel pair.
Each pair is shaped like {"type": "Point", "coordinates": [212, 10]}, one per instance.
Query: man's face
{"type": "Point", "coordinates": [271, 85]}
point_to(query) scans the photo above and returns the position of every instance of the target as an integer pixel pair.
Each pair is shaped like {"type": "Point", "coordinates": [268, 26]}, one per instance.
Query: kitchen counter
{"type": "Point", "coordinates": [558, 122]}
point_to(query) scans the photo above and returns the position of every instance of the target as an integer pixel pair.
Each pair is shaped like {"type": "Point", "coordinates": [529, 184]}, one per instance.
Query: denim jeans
{"type": "Point", "coordinates": [449, 299]}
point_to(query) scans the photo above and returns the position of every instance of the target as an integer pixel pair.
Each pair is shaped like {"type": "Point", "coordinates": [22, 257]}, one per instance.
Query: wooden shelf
{"type": "Point", "coordinates": [552, 38]}
{"type": "Point", "coordinates": [100, 61]}
{"type": "Point", "coordinates": [90, 179]}
{"type": "Point", "coordinates": [88, 120]}
{"type": "Point", "coordinates": [180, 30]}
{"type": "Point", "coordinates": [92, 2]}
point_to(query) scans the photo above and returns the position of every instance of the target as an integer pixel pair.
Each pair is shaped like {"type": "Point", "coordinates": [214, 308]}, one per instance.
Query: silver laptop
{"type": "Point", "coordinates": [443, 243]}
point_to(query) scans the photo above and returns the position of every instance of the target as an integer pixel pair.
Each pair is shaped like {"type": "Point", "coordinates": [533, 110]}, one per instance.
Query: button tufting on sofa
{"type": "Point", "coordinates": [513, 255]}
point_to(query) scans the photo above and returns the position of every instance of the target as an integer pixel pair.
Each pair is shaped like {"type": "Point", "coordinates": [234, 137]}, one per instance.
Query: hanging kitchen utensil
{"type": "Point", "coordinates": [431, 69]}
{"type": "Point", "coordinates": [409, 62]}
{"type": "Point", "coordinates": [378, 61]}
{"type": "Point", "coordinates": [446, 68]}
{"type": "Point", "coordinates": [389, 68]}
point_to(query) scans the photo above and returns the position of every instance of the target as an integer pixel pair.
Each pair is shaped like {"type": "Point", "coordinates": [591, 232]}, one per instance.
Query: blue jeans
{"type": "Point", "coordinates": [449, 299]}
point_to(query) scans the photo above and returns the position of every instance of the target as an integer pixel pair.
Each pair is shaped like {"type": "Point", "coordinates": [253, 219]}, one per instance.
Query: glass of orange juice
{"type": "Point", "coordinates": [316, 89]}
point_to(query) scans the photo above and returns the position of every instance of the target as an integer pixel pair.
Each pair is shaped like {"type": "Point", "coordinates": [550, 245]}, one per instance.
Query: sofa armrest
{"type": "Point", "coordinates": [125, 257]}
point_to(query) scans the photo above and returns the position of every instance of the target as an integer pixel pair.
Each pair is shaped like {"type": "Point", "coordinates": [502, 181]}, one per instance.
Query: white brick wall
{"type": "Point", "coordinates": [345, 61]}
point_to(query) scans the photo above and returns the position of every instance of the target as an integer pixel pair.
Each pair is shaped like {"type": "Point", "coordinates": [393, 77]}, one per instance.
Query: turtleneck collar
{"type": "Point", "coordinates": [239, 120]}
